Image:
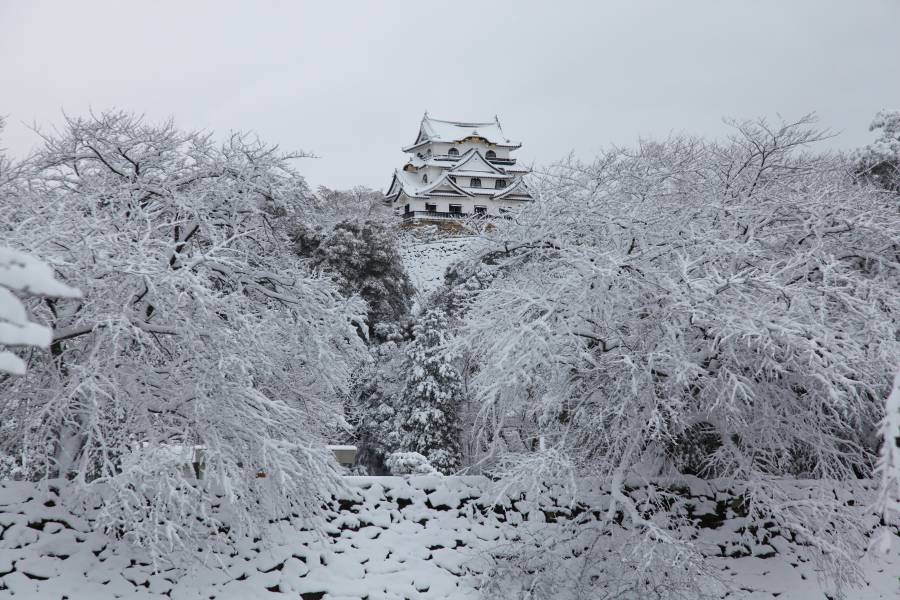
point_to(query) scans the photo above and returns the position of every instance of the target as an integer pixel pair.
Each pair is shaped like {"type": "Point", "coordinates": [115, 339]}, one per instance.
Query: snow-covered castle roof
{"type": "Point", "coordinates": [437, 130]}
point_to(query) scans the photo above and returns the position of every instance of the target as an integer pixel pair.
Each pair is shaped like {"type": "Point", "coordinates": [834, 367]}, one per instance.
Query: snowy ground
{"type": "Point", "coordinates": [386, 538]}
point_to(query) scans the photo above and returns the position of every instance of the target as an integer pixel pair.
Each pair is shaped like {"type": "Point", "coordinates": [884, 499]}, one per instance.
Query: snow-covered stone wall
{"type": "Point", "coordinates": [427, 261]}
{"type": "Point", "coordinates": [385, 538]}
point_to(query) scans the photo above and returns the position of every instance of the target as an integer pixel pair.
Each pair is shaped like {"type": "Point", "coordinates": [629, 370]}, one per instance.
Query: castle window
{"type": "Point", "coordinates": [430, 207]}
{"type": "Point", "coordinates": [425, 178]}
{"type": "Point", "coordinates": [453, 152]}
{"type": "Point", "coordinates": [490, 155]}
{"type": "Point", "coordinates": [499, 184]}
{"type": "Point", "coordinates": [481, 210]}
{"type": "Point", "coordinates": [455, 209]}
{"type": "Point", "coordinates": [476, 182]}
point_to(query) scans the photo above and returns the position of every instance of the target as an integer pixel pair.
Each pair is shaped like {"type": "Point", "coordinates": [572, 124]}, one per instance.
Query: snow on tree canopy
{"type": "Point", "coordinates": [198, 327]}
{"type": "Point", "coordinates": [741, 295]}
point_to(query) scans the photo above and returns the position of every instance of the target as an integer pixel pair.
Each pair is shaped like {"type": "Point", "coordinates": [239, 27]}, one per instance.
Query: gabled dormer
{"type": "Point", "coordinates": [474, 162]}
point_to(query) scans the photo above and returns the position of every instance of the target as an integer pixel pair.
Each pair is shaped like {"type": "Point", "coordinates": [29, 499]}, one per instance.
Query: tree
{"type": "Point", "coordinates": [333, 206]}
{"type": "Point", "coordinates": [879, 162]}
{"type": "Point", "coordinates": [361, 254]}
{"type": "Point", "coordinates": [746, 287]}
{"type": "Point", "coordinates": [427, 407]}
{"type": "Point", "coordinates": [198, 330]}
{"type": "Point", "coordinates": [25, 275]}
{"type": "Point", "coordinates": [372, 410]}
{"type": "Point", "coordinates": [363, 258]}
{"type": "Point", "coordinates": [888, 467]}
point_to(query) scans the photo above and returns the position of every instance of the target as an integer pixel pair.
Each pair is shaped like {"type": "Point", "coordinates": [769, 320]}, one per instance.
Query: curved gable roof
{"type": "Point", "coordinates": [413, 187]}
{"type": "Point", "coordinates": [474, 161]}
{"type": "Point", "coordinates": [438, 130]}
{"type": "Point", "coordinates": [445, 179]}
{"type": "Point", "coordinates": [518, 187]}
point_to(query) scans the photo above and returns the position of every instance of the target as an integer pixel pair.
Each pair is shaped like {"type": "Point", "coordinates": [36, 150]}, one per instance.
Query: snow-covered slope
{"type": "Point", "coordinates": [426, 261]}
{"type": "Point", "coordinates": [386, 538]}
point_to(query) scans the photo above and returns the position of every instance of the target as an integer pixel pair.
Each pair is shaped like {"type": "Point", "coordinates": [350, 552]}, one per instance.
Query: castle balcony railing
{"type": "Point", "coordinates": [496, 161]}
{"type": "Point", "coordinates": [445, 216]}
{"type": "Point", "coordinates": [433, 214]}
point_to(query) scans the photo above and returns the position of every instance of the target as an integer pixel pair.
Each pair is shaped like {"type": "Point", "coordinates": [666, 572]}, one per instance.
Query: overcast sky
{"type": "Point", "coordinates": [349, 81]}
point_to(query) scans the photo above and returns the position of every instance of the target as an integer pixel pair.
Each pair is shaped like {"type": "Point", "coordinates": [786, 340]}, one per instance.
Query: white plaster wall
{"type": "Point", "coordinates": [463, 147]}
{"type": "Point", "coordinates": [443, 204]}
{"type": "Point", "coordinates": [468, 204]}
{"type": "Point", "coordinates": [487, 179]}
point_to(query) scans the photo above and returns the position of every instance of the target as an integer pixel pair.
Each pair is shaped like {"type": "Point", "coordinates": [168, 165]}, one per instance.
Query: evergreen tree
{"type": "Point", "coordinates": [363, 257]}
{"type": "Point", "coordinates": [372, 411]}
{"type": "Point", "coordinates": [427, 408]}
{"type": "Point", "coordinates": [879, 162]}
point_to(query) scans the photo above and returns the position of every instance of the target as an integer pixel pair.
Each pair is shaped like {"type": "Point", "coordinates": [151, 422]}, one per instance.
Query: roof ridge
{"type": "Point", "coordinates": [462, 123]}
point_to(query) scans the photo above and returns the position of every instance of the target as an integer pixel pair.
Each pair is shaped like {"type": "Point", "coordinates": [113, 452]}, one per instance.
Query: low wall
{"type": "Point", "coordinates": [392, 538]}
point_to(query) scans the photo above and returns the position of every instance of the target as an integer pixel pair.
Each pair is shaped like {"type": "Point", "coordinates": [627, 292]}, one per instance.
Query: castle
{"type": "Point", "coordinates": [457, 170]}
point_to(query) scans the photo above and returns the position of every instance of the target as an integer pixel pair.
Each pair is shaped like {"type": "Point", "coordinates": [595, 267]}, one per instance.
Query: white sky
{"type": "Point", "coordinates": [350, 80]}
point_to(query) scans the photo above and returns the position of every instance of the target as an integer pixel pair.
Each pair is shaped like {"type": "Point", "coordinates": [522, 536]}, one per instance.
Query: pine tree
{"type": "Point", "coordinates": [428, 405]}
{"type": "Point", "coordinates": [363, 258]}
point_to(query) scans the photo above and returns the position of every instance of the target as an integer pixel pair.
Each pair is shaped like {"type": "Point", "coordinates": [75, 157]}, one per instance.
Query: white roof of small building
{"type": "Point", "coordinates": [437, 130]}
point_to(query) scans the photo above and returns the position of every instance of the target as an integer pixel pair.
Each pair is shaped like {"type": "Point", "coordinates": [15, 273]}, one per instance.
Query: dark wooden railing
{"type": "Point", "coordinates": [433, 214]}
{"type": "Point", "coordinates": [450, 157]}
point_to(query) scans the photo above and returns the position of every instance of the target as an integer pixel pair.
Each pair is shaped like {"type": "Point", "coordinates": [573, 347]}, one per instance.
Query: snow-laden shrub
{"type": "Point", "coordinates": [409, 463]}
